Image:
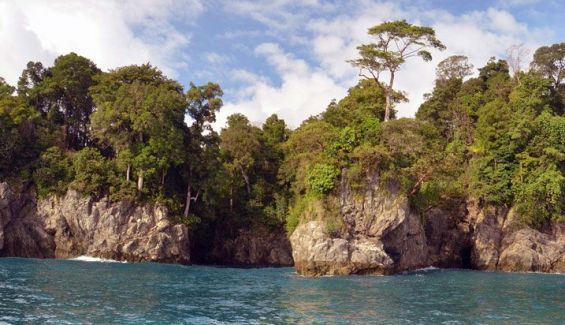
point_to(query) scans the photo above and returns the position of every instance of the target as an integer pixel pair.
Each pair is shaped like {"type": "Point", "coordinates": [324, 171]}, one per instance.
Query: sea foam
{"type": "Point", "coordinates": [84, 258]}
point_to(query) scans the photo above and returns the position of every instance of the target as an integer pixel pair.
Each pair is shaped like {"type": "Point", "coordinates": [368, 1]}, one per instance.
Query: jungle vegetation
{"type": "Point", "coordinates": [134, 134]}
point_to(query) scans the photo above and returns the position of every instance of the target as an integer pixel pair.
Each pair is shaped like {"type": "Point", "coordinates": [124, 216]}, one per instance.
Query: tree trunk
{"type": "Point", "coordinates": [189, 198]}
{"type": "Point", "coordinates": [388, 97]}
{"type": "Point", "coordinates": [140, 181]}
{"type": "Point", "coordinates": [128, 173]}
{"type": "Point", "coordinates": [231, 198]}
{"type": "Point", "coordinates": [387, 105]}
{"type": "Point", "coordinates": [187, 203]}
{"type": "Point", "coordinates": [163, 177]}
{"type": "Point", "coordinates": [247, 185]}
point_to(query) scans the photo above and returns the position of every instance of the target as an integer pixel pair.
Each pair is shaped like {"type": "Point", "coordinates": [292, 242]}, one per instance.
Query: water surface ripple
{"type": "Point", "coordinates": [78, 292]}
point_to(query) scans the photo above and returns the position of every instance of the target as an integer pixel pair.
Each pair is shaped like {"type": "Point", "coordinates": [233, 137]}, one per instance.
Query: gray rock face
{"type": "Point", "coordinates": [501, 242]}
{"type": "Point", "coordinates": [21, 233]}
{"type": "Point", "coordinates": [254, 248]}
{"type": "Point", "coordinates": [74, 225]}
{"type": "Point", "coordinates": [382, 235]}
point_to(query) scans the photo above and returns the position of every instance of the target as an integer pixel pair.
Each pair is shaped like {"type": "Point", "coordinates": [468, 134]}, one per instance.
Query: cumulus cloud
{"type": "Point", "coordinates": [293, 60]}
{"type": "Point", "coordinates": [303, 90]}
{"type": "Point", "coordinates": [333, 39]}
{"type": "Point", "coordinates": [111, 33]}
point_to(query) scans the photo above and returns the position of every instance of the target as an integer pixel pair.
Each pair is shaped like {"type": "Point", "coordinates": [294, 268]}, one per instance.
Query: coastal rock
{"type": "Point", "coordinates": [75, 225]}
{"type": "Point", "coordinates": [502, 242]}
{"type": "Point", "coordinates": [381, 234]}
{"type": "Point", "coordinates": [260, 247]}
{"type": "Point", "coordinates": [21, 233]}
{"type": "Point", "coordinates": [316, 253]}
{"type": "Point", "coordinates": [449, 236]}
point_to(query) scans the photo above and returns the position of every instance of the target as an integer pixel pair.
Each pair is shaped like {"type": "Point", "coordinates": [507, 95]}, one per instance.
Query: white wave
{"type": "Point", "coordinates": [84, 258]}
{"type": "Point", "coordinates": [428, 268]}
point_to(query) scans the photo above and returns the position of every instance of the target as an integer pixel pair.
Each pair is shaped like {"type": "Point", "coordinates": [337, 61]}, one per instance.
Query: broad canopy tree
{"type": "Point", "coordinates": [396, 42]}
{"type": "Point", "coordinates": [64, 90]}
{"type": "Point", "coordinates": [140, 113]}
{"type": "Point", "coordinates": [550, 62]}
{"type": "Point", "coordinates": [454, 67]}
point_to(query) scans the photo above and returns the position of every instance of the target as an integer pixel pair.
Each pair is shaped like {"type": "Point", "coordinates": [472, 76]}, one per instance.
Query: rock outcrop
{"type": "Point", "coordinates": [381, 234]}
{"type": "Point", "coordinates": [75, 225]}
{"type": "Point", "coordinates": [260, 247]}
{"type": "Point", "coordinates": [21, 232]}
{"type": "Point", "coordinates": [501, 242]}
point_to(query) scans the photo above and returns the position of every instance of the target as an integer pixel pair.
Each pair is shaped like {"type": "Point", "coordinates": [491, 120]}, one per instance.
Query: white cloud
{"type": "Point", "coordinates": [333, 40]}
{"type": "Point", "coordinates": [111, 33]}
{"type": "Point", "coordinates": [518, 2]}
{"type": "Point", "coordinates": [277, 14]}
{"type": "Point", "coordinates": [302, 91]}
{"type": "Point", "coordinates": [305, 42]}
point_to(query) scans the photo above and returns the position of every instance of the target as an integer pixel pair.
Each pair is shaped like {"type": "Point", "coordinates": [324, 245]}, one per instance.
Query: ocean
{"type": "Point", "coordinates": [89, 291]}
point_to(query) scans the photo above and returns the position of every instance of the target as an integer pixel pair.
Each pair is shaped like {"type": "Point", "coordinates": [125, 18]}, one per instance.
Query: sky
{"type": "Point", "coordinates": [280, 56]}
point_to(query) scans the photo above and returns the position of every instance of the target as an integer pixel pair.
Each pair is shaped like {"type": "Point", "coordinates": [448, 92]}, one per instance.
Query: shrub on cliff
{"type": "Point", "coordinates": [91, 172]}
{"type": "Point", "coordinates": [53, 173]}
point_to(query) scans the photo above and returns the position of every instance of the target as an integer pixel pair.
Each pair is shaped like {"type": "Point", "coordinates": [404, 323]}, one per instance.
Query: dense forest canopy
{"type": "Point", "coordinates": [134, 134]}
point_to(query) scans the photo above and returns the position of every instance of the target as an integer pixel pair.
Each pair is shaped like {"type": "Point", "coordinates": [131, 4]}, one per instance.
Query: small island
{"type": "Point", "coordinates": [129, 165]}
{"type": "Point", "coordinates": [126, 165]}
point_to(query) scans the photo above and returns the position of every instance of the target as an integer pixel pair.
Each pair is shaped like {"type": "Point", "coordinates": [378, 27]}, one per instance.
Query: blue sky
{"type": "Point", "coordinates": [279, 56]}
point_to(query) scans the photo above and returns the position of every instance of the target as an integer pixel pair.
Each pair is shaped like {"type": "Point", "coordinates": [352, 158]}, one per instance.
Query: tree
{"type": "Point", "coordinates": [364, 100]}
{"type": "Point", "coordinates": [275, 131]}
{"type": "Point", "coordinates": [65, 87]}
{"type": "Point", "coordinates": [515, 56]}
{"type": "Point", "coordinates": [28, 86]}
{"type": "Point", "coordinates": [203, 103]}
{"type": "Point", "coordinates": [240, 143]}
{"type": "Point", "coordinates": [140, 113]}
{"type": "Point", "coordinates": [305, 147]}
{"type": "Point", "coordinates": [5, 89]}
{"type": "Point", "coordinates": [438, 107]}
{"type": "Point", "coordinates": [23, 134]}
{"type": "Point", "coordinates": [550, 62]}
{"type": "Point", "coordinates": [453, 67]}
{"type": "Point", "coordinates": [397, 41]}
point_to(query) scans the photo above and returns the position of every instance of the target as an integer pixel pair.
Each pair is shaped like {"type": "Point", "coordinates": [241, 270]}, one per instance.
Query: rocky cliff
{"type": "Point", "coordinates": [75, 225]}
{"type": "Point", "coordinates": [260, 247]}
{"type": "Point", "coordinates": [381, 234]}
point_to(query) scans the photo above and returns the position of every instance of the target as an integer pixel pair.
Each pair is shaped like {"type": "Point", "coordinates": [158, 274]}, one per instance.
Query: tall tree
{"type": "Point", "coordinates": [30, 79]}
{"type": "Point", "coordinates": [454, 67]}
{"type": "Point", "coordinates": [202, 142]}
{"type": "Point", "coordinates": [240, 145]}
{"type": "Point", "coordinates": [140, 113]}
{"type": "Point", "coordinates": [66, 87]}
{"type": "Point", "coordinates": [550, 61]}
{"type": "Point", "coordinates": [515, 56]}
{"type": "Point", "coordinates": [397, 41]}
{"type": "Point", "coordinates": [5, 89]}
{"type": "Point", "coordinates": [437, 107]}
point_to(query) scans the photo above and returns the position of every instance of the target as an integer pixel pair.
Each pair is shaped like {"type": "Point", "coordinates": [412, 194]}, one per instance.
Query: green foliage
{"type": "Point", "coordinates": [541, 196]}
{"type": "Point", "coordinates": [321, 178]}
{"type": "Point", "coordinates": [142, 112]}
{"type": "Point", "coordinates": [494, 138]}
{"type": "Point", "coordinates": [396, 42]}
{"type": "Point", "coordinates": [53, 173]}
{"type": "Point", "coordinates": [64, 92]}
{"type": "Point", "coordinates": [91, 172]}
{"type": "Point", "coordinates": [549, 61]}
{"type": "Point", "coordinates": [455, 67]}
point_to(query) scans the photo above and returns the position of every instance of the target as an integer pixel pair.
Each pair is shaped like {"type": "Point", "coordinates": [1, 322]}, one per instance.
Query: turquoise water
{"type": "Point", "coordinates": [73, 292]}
